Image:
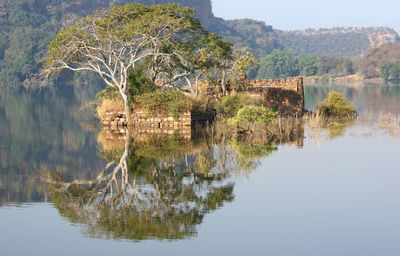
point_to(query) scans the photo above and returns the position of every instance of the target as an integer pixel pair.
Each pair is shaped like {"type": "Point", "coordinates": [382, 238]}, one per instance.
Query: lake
{"type": "Point", "coordinates": [69, 188]}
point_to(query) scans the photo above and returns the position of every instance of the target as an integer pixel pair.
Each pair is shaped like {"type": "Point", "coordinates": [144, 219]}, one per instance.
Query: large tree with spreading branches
{"type": "Point", "coordinates": [166, 39]}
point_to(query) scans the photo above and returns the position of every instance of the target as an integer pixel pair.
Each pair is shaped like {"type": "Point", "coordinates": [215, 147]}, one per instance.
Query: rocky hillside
{"type": "Point", "coordinates": [259, 37]}
{"type": "Point", "coordinates": [371, 62]}
{"type": "Point", "coordinates": [346, 42]}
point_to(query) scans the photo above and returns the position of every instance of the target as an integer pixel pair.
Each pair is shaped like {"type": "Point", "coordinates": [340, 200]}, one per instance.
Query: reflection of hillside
{"type": "Point", "coordinates": [39, 128]}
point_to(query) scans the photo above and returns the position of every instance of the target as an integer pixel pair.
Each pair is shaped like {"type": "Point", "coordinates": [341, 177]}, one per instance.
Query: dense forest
{"type": "Point", "coordinates": [283, 64]}
{"type": "Point", "coordinates": [27, 26]}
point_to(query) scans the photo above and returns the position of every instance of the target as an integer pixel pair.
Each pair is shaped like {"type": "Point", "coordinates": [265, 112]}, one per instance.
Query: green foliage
{"type": "Point", "coordinates": [307, 65]}
{"type": "Point", "coordinates": [167, 101]}
{"type": "Point", "coordinates": [139, 83]}
{"type": "Point", "coordinates": [230, 105]}
{"type": "Point", "coordinates": [333, 66]}
{"type": "Point", "coordinates": [110, 93]}
{"type": "Point", "coordinates": [335, 105]}
{"type": "Point", "coordinates": [249, 155]}
{"type": "Point", "coordinates": [253, 114]}
{"type": "Point", "coordinates": [390, 71]}
{"type": "Point", "coordinates": [283, 64]}
{"type": "Point", "coordinates": [278, 64]}
{"type": "Point", "coordinates": [245, 60]}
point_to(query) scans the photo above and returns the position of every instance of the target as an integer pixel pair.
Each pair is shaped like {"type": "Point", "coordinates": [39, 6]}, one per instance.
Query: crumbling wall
{"type": "Point", "coordinates": [149, 121]}
{"type": "Point", "coordinates": [286, 96]}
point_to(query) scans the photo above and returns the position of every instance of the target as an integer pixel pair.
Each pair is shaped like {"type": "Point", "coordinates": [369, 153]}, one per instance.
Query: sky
{"type": "Point", "coordinates": [302, 14]}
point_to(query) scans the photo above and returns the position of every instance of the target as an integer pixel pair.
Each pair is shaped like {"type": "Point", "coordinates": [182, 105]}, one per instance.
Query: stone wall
{"type": "Point", "coordinates": [286, 96]}
{"type": "Point", "coordinates": [153, 122]}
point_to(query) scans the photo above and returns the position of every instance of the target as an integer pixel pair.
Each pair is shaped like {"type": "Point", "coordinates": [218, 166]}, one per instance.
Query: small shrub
{"type": "Point", "coordinates": [164, 101]}
{"type": "Point", "coordinates": [230, 105]}
{"type": "Point", "coordinates": [253, 114]}
{"type": "Point", "coordinates": [137, 84]}
{"type": "Point", "coordinates": [336, 105]}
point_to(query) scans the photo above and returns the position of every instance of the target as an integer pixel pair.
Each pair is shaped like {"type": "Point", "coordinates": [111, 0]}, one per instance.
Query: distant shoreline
{"type": "Point", "coordinates": [353, 79]}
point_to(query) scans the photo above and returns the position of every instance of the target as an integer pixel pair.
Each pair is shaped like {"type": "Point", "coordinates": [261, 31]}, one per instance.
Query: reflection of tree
{"type": "Point", "coordinates": [248, 156]}
{"type": "Point", "coordinates": [160, 187]}
{"type": "Point", "coordinates": [160, 200]}
{"type": "Point", "coordinates": [336, 127]}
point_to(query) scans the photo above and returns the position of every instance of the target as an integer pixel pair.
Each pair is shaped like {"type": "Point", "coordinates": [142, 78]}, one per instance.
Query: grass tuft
{"type": "Point", "coordinates": [109, 105]}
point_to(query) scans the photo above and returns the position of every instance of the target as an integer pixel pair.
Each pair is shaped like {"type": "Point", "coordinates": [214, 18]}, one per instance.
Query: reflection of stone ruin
{"type": "Point", "coordinates": [285, 131]}
{"type": "Point", "coordinates": [158, 186]}
{"type": "Point", "coordinates": [155, 122]}
{"type": "Point", "coordinates": [284, 96]}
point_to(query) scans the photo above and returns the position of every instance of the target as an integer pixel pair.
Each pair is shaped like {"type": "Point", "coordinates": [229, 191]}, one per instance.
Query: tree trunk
{"type": "Point", "coordinates": [126, 105]}
{"type": "Point", "coordinates": [223, 83]}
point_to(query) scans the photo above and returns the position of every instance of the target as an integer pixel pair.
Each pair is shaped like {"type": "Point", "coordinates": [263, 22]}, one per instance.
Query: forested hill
{"type": "Point", "coordinates": [27, 26]}
{"type": "Point", "coordinates": [345, 42]}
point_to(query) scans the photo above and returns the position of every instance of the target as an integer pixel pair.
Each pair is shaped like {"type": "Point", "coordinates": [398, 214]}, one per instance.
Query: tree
{"type": "Point", "coordinates": [279, 64]}
{"type": "Point", "coordinates": [307, 65]}
{"type": "Point", "coordinates": [191, 59]}
{"type": "Point", "coordinates": [237, 65]}
{"type": "Point", "coordinates": [114, 42]}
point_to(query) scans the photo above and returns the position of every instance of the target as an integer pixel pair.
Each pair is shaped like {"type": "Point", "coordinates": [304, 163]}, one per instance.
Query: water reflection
{"type": "Point", "coordinates": [366, 97]}
{"type": "Point", "coordinates": [161, 186]}
{"type": "Point", "coordinates": [41, 127]}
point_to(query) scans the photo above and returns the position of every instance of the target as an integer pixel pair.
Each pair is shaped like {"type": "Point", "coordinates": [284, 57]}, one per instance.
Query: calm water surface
{"type": "Point", "coordinates": [66, 188]}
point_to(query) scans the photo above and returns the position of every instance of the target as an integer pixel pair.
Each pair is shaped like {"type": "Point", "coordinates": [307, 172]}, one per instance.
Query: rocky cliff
{"type": "Point", "coordinates": [348, 42]}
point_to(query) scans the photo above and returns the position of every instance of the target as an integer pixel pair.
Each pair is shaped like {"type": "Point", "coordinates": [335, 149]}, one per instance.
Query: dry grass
{"type": "Point", "coordinates": [288, 130]}
{"type": "Point", "coordinates": [386, 123]}
{"type": "Point", "coordinates": [108, 105]}
{"type": "Point", "coordinates": [366, 124]}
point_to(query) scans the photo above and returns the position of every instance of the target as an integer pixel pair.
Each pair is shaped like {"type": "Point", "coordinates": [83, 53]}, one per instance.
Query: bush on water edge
{"type": "Point", "coordinates": [336, 105]}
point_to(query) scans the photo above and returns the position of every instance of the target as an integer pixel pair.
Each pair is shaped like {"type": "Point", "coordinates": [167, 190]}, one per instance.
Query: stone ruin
{"type": "Point", "coordinates": [286, 96]}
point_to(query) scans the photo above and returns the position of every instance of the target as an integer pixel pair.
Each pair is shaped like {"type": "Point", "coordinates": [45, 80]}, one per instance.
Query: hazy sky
{"type": "Point", "coordinates": [300, 14]}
